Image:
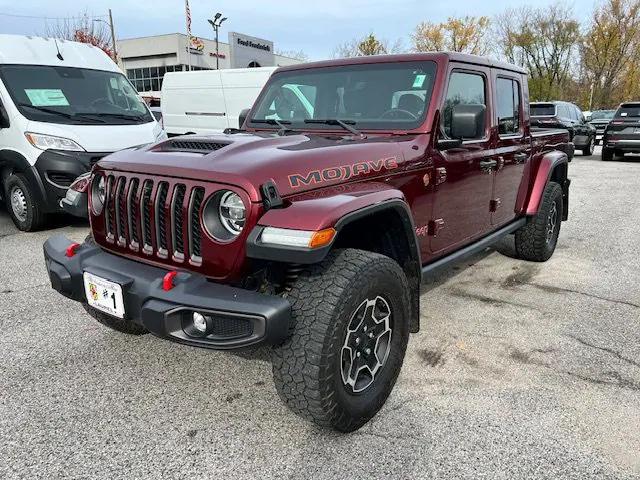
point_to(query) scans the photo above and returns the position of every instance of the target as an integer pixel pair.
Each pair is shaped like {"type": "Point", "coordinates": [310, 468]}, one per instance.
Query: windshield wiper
{"type": "Point", "coordinates": [119, 115]}
{"type": "Point", "coordinates": [272, 121]}
{"type": "Point", "coordinates": [346, 124]}
{"type": "Point", "coordinates": [71, 116]}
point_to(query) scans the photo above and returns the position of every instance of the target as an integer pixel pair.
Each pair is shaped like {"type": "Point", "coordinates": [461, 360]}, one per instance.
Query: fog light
{"type": "Point", "coordinates": [200, 322]}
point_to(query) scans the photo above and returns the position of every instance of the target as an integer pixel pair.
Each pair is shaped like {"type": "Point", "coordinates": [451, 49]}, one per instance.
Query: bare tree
{"type": "Point", "coordinates": [367, 45]}
{"type": "Point", "coordinates": [543, 40]}
{"type": "Point", "coordinates": [296, 54]}
{"type": "Point", "coordinates": [82, 29]}
{"type": "Point", "coordinates": [466, 34]}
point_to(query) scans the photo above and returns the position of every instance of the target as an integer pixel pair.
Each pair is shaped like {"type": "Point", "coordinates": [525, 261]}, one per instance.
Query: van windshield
{"type": "Point", "coordinates": [74, 96]}
{"type": "Point", "coordinates": [379, 96]}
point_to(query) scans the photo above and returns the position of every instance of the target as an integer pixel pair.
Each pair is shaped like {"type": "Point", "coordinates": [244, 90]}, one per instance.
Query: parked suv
{"type": "Point", "coordinates": [313, 234]}
{"type": "Point", "coordinates": [622, 135]}
{"type": "Point", "coordinates": [599, 119]}
{"type": "Point", "coordinates": [567, 116]}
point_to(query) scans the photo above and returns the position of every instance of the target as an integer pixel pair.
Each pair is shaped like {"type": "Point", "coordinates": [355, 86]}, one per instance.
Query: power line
{"type": "Point", "coordinates": [52, 18]}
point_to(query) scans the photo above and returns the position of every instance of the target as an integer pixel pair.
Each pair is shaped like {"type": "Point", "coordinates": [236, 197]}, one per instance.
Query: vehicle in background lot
{"type": "Point", "coordinates": [567, 116]}
{"type": "Point", "coordinates": [313, 235]}
{"type": "Point", "coordinates": [157, 114]}
{"type": "Point", "coordinates": [622, 135]}
{"type": "Point", "coordinates": [599, 119]}
{"type": "Point", "coordinates": [63, 106]}
{"type": "Point", "coordinates": [209, 101]}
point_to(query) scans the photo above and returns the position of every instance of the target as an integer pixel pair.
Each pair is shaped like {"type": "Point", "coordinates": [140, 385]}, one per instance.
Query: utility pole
{"type": "Point", "coordinates": [591, 97]}
{"type": "Point", "coordinates": [215, 23]}
{"type": "Point", "coordinates": [113, 37]}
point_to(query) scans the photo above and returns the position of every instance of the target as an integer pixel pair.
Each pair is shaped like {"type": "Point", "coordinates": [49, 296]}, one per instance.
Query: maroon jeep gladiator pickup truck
{"type": "Point", "coordinates": [311, 230]}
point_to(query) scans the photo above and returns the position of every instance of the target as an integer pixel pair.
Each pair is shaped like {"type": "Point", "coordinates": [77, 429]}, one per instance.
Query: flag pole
{"type": "Point", "coordinates": [188, 18]}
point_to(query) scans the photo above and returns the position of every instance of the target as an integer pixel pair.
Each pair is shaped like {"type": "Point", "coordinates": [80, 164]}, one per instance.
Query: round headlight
{"type": "Point", "coordinates": [224, 215]}
{"type": "Point", "coordinates": [98, 193]}
{"type": "Point", "coordinates": [232, 212]}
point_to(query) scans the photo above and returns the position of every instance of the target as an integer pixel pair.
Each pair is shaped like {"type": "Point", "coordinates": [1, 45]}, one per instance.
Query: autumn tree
{"type": "Point", "coordinates": [466, 34]}
{"type": "Point", "coordinates": [82, 29]}
{"type": "Point", "coordinates": [545, 41]}
{"type": "Point", "coordinates": [610, 52]}
{"type": "Point", "coordinates": [367, 45]}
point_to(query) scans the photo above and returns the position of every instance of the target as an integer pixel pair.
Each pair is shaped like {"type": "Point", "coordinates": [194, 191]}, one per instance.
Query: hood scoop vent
{"type": "Point", "coordinates": [192, 146]}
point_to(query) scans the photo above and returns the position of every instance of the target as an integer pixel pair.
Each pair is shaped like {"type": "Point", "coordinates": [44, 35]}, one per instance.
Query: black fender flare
{"type": "Point", "coordinates": [12, 162]}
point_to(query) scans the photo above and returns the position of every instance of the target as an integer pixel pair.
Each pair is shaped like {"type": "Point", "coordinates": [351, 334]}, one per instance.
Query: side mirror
{"type": "Point", "coordinates": [4, 117]}
{"type": "Point", "coordinates": [587, 118]}
{"type": "Point", "coordinates": [467, 121]}
{"type": "Point", "coordinates": [242, 117]}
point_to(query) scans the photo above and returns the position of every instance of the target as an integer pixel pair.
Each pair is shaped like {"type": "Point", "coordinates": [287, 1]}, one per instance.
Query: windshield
{"type": "Point", "coordinates": [380, 96]}
{"type": "Point", "coordinates": [74, 96]}
{"type": "Point", "coordinates": [602, 114]}
{"type": "Point", "coordinates": [628, 111]}
{"type": "Point", "coordinates": [542, 109]}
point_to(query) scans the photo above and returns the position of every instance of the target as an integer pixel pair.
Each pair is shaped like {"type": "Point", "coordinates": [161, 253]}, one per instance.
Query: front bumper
{"type": "Point", "coordinates": [242, 317]}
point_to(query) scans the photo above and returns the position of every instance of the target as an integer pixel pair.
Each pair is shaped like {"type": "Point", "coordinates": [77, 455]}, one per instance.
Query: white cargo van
{"type": "Point", "coordinates": [63, 106]}
{"type": "Point", "coordinates": [208, 101]}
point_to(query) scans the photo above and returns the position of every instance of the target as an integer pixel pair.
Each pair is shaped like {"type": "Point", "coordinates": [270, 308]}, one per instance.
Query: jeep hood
{"type": "Point", "coordinates": [296, 163]}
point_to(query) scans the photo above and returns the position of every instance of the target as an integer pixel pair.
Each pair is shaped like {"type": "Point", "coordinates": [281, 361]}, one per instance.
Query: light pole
{"type": "Point", "coordinates": [215, 23]}
{"type": "Point", "coordinates": [113, 34]}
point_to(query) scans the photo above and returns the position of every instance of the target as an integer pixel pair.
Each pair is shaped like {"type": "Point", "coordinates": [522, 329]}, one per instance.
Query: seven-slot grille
{"type": "Point", "coordinates": [156, 217]}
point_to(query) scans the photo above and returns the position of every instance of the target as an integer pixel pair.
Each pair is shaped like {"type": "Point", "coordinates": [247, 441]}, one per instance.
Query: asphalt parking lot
{"type": "Point", "coordinates": [520, 370]}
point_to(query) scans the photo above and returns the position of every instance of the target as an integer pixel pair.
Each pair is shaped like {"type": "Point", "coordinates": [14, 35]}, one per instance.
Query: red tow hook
{"type": "Point", "coordinates": [167, 281]}
{"type": "Point", "coordinates": [71, 249]}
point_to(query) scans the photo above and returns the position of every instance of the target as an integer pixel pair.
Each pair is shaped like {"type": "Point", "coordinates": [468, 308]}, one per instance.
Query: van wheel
{"type": "Point", "coordinates": [24, 209]}
{"type": "Point", "coordinates": [349, 333]}
{"type": "Point", "coordinates": [536, 241]}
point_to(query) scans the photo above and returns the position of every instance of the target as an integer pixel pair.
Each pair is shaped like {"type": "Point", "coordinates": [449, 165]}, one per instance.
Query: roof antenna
{"type": "Point", "coordinates": [58, 49]}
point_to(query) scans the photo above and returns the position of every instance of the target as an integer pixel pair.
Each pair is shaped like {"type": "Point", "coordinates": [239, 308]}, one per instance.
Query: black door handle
{"type": "Point", "coordinates": [520, 157]}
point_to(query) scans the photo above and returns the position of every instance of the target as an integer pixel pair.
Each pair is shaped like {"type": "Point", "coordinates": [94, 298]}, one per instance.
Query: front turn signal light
{"type": "Point", "coordinates": [322, 238]}
{"type": "Point", "coordinates": [297, 238]}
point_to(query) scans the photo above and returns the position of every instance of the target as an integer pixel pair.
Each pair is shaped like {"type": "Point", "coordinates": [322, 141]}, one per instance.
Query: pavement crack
{"type": "Point", "coordinates": [496, 302]}
{"type": "Point", "coordinates": [615, 353]}
{"type": "Point", "coordinates": [550, 289]}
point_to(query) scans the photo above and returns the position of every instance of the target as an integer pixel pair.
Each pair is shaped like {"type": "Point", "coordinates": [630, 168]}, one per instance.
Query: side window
{"type": "Point", "coordinates": [508, 106]}
{"type": "Point", "coordinates": [464, 89]}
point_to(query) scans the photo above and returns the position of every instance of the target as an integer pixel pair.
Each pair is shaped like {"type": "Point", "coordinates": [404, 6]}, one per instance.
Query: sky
{"type": "Point", "coordinates": [315, 27]}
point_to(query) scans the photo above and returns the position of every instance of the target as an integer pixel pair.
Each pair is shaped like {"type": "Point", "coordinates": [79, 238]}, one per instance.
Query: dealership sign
{"type": "Point", "coordinates": [248, 51]}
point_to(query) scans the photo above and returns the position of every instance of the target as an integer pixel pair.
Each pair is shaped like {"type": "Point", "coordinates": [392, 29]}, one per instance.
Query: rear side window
{"type": "Point", "coordinates": [508, 105]}
{"type": "Point", "coordinates": [628, 111]}
{"type": "Point", "coordinates": [543, 109]}
{"type": "Point", "coordinates": [464, 89]}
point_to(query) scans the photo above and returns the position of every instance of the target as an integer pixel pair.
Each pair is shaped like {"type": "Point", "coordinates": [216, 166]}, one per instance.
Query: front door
{"type": "Point", "coordinates": [464, 176]}
{"type": "Point", "coordinates": [513, 149]}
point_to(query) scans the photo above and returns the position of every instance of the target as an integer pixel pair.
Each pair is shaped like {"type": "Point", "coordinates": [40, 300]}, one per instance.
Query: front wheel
{"type": "Point", "coordinates": [24, 209]}
{"type": "Point", "coordinates": [350, 327]}
{"type": "Point", "coordinates": [536, 241]}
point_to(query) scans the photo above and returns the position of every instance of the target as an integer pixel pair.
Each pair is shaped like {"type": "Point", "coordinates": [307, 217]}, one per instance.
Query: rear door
{"type": "Point", "coordinates": [463, 175]}
{"type": "Point", "coordinates": [513, 147]}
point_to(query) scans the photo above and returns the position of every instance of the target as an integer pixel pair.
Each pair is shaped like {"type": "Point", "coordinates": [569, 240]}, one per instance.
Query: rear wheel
{"type": "Point", "coordinates": [607, 154]}
{"type": "Point", "coordinates": [588, 150]}
{"type": "Point", "coordinates": [350, 327]}
{"type": "Point", "coordinates": [537, 240]}
{"type": "Point", "coordinates": [24, 209]}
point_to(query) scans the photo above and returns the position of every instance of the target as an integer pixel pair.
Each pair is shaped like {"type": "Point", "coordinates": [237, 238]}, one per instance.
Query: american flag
{"type": "Point", "coordinates": [188, 12]}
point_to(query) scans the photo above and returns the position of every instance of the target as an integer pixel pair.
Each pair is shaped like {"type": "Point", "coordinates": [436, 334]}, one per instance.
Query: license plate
{"type": "Point", "coordinates": [104, 295]}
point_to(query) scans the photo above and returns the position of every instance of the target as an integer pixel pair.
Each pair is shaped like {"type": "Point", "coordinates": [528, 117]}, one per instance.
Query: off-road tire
{"type": "Point", "coordinates": [34, 216]}
{"type": "Point", "coordinates": [531, 239]}
{"type": "Point", "coordinates": [588, 149]}
{"type": "Point", "coordinates": [119, 324]}
{"type": "Point", "coordinates": [307, 368]}
{"type": "Point", "coordinates": [607, 154]}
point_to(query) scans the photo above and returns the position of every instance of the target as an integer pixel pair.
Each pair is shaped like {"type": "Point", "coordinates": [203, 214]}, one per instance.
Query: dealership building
{"type": "Point", "coordinates": [145, 60]}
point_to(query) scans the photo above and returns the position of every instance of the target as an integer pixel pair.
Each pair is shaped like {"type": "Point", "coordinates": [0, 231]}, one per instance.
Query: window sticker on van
{"type": "Point", "coordinates": [419, 80]}
{"type": "Point", "coordinates": [52, 97]}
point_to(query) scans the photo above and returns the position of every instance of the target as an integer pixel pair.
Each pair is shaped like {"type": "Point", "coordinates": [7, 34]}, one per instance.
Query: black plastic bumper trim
{"type": "Point", "coordinates": [147, 304]}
